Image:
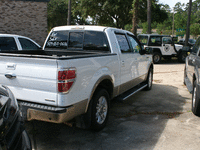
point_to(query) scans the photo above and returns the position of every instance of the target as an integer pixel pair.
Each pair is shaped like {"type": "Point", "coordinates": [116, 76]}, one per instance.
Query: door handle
{"type": "Point", "coordinates": [10, 76]}
{"type": "Point", "coordinates": [123, 64]}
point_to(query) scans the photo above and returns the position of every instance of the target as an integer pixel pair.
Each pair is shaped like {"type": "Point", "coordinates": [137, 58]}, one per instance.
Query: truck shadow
{"type": "Point", "coordinates": [136, 123]}
{"type": "Point", "coordinates": [169, 61]}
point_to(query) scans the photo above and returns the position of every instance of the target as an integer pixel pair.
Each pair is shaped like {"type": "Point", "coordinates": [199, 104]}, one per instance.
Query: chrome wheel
{"type": "Point", "coordinates": [101, 110]}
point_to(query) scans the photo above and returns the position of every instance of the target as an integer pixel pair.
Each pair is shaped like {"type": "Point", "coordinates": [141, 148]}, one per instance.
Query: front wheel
{"type": "Point", "coordinates": [149, 80]}
{"type": "Point", "coordinates": [100, 109]}
{"type": "Point", "coordinates": [195, 101]}
{"type": "Point", "coordinates": [157, 57]}
{"type": "Point", "coordinates": [182, 56]}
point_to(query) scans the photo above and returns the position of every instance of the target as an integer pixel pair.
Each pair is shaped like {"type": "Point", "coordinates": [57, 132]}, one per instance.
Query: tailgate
{"type": "Point", "coordinates": [30, 79]}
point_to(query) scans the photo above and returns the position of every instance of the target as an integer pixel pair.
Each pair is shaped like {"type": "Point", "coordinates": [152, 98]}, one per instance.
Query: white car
{"type": "Point", "coordinates": [11, 42]}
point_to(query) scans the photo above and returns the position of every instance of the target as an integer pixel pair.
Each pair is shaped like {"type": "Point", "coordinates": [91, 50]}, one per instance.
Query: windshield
{"type": "Point", "coordinates": [143, 39]}
{"type": "Point", "coordinates": [192, 41]}
{"type": "Point", "coordinates": [79, 40]}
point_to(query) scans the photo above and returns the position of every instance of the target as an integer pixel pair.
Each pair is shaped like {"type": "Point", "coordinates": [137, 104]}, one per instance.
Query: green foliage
{"type": "Point", "coordinates": [144, 27]}
{"type": "Point", "coordinates": [195, 29]}
{"type": "Point", "coordinates": [57, 13]}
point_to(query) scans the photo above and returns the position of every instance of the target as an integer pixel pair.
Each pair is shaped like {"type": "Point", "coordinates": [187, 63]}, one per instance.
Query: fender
{"type": "Point", "coordinates": [102, 78]}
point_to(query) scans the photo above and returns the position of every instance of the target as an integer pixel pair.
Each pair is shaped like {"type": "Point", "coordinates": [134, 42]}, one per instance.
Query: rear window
{"type": "Point", "coordinates": [78, 40]}
{"type": "Point", "coordinates": [143, 39]}
{"type": "Point", "coordinates": [7, 43]}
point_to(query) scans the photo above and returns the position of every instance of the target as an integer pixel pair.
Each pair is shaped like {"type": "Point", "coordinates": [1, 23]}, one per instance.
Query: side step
{"type": "Point", "coordinates": [132, 91]}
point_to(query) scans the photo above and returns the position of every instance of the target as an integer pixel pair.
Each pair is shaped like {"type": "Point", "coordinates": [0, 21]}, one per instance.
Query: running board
{"type": "Point", "coordinates": [132, 91]}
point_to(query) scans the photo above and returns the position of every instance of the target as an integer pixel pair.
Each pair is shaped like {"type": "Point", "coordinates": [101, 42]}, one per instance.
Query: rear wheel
{"type": "Point", "coordinates": [195, 101]}
{"type": "Point", "coordinates": [100, 109]}
{"type": "Point", "coordinates": [156, 57]}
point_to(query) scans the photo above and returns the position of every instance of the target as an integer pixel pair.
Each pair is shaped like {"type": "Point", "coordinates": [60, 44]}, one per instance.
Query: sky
{"type": "Point", "coordinates": [172, 3]}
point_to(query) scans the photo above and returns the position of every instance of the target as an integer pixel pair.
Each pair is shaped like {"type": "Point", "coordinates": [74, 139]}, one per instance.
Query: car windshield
{"type": "Point", "coordinates": [143, 39]}
{"type": "Point", "coordinates": [192, 41]}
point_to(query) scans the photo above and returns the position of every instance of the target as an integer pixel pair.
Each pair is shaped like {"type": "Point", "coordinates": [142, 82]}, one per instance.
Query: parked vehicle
{"type": "Point", "coordinates": [191, 42]}
{"type": "Point", "coordinates": [78, 72]}
{"type": "Point", "coordinates": [163, 46]}
{"type": "Point", "coordinates": [13, 42]}
{"type": "Point", "coordinates": [13, 135]}
{"type": "Point", "coordinates": [192, 76]}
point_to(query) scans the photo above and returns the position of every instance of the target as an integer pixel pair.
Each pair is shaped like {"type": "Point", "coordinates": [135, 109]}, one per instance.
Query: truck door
{"type": "Point", "coordinates": [193, 58]}
{"type": "Point", "coordinates": [167, 46]}
{"type": "Point", "coordinates": [129, 63]}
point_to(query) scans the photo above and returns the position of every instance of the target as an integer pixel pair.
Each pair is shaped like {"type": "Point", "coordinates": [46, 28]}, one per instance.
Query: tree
{"type": "Point", "coordinates": [135, 16]}
{"type": "Point", "coordinates": [195, 29]}
{"type": "Point", "coordinates": [57, 13]}
{"type": "Point", "coordinates": [149, 16]}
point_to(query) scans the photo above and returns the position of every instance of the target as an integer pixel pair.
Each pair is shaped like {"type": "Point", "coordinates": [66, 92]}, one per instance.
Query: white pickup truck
{"type": "Point", "coordinates": [78, 72]}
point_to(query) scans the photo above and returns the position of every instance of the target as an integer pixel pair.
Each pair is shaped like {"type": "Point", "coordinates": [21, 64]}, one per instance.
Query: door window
{"type": "Point", "coordinates": [123, 43]}
{"type": "Point", "coordinates": [27, 44]}
{"type": "Point", "coordinates": [135, 45]}
{"type": "Point", "coordinates": [196, 46]}
{"type": "Point", "coordinates": [155, 41]}
{"type": "Point", "coordinates": [7, 43]}
{"type": "Point", "coordinates": [167, 40]}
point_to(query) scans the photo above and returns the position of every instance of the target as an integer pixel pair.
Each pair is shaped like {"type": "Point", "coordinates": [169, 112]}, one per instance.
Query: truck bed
{"type": "Point", "coordinates": [53, 54]}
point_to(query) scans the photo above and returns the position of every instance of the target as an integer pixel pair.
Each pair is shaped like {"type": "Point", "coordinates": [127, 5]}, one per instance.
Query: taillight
{"type": "Point", "coordinates": [66, 78]}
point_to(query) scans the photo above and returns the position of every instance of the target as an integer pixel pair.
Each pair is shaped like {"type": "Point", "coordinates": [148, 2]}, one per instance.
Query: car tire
{"type": "Point", "coordinates": [149, 80]}
{"type": "Point", "coordinates": [181, 57]}
{"type": "Point", "coordinates": [157, 58]}
{"type": "Point", "coordinates": [100, 109]}
{"type": "Point", "coordinates": [195, 101]}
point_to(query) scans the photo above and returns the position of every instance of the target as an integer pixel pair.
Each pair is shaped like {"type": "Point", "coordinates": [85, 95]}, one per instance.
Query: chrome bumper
{"type": "Point", "coordinates": [52, 114]}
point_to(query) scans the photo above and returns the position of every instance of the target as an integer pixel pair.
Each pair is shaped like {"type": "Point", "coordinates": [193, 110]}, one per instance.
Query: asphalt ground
{"type": "Point", "coordinates": [160, 119]}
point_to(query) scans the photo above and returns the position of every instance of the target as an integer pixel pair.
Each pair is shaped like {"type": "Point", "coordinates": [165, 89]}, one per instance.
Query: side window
{"type": "Point", "coordinates": [7, 43]}
{"type": "Point", "coordinates": [167, 40]}
{"type": "Point", "coordinates": [27, 44]}
{"type": "Point", "coordinates": [123, 43]}
{"type": "Point", "coordinates": [155, 41]}
{"type": "Point", "coordinates": [135, 45]}
{"type": "Point", "coordinates": [95, 41]}
{"type": "Point", "coordinates": [76, 40]}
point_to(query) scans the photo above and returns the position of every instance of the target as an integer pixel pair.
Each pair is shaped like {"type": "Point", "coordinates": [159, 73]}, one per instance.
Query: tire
{"type": "Point", "coordinates": [149, 80]}
{"type": "Point", "coordinates": [181, 57]}
{"type": "Point", "coordinates": [156, 57]}
{"type": "Point", "coordinates": [195, 101]}
{"type": "Point", "coordinates": [184, 76]}
{"type": "Point", "coordinates": [100, 109]}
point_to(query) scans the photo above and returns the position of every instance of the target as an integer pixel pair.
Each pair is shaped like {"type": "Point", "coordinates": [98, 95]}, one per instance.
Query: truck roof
{"type": "Point", "coordinates": [80, 27]}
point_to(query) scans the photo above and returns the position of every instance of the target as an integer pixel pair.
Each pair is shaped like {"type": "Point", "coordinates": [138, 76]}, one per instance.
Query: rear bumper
{"type": "Point", "coordinates": [32, 111]}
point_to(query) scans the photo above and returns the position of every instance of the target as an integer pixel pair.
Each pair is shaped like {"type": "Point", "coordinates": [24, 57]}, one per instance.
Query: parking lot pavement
{"type": "Point", "coordinates": [160, 119]}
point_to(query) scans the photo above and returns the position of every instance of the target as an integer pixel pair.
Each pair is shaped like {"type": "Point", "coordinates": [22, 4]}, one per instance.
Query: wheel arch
{"type": "Point", "coordinates": [105, 82]}
{"type": "Point", "coordinates": [157, 50]}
